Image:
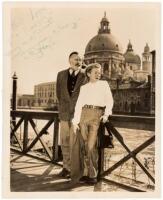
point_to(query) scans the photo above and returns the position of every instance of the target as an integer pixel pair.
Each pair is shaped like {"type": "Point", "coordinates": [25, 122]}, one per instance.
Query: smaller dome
{"type": "Point", "coordinates": [130, 56]}
{"type": "Point", "coordinates": [146, 48]}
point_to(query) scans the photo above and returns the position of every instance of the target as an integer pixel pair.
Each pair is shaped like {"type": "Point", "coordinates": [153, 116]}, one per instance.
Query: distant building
{"type": "Point", "coordinates": [147, 60]}
{"type": "Point", "coordinates": [105, 49]}
{"type": "Point", "coordinates": [132, 85]}
{"type": "Point", "coordinates": [140, 75]}
{"type": "Point", "coordinates": [131, 58]}
{"type": "Point", "coordinates": [132, 98]}
{"type": "Point", "coordinates": [26, 100]}
{"type": "Point", "coordinates": [45, 94]}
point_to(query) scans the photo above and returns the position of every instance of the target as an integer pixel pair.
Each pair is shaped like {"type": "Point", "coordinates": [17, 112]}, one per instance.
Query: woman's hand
{"type": "Point", "coordinates": [76, 128]}
{"type": "Point", "coordinates": [104, 118]}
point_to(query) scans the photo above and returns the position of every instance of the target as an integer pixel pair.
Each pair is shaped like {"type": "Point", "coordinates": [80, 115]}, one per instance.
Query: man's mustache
{"type": "Point", "coordinates": [83, 66]}
{"type": "Point", "coordinates": [78, 64]}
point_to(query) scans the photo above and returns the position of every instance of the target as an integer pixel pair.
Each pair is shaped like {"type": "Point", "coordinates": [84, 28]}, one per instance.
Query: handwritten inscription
{"type": "Point", "coordinates": [34, 32]}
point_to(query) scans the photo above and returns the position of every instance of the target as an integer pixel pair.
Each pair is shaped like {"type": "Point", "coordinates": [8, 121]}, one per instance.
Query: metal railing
{"type": "Point", "coordinates": [28, 117]}
{"type": "Point", "coordinates": [131, 155]}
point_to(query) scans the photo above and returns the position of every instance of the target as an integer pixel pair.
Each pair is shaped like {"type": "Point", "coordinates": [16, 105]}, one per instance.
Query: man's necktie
{"type": "Point", "coordinates": [73, 74]}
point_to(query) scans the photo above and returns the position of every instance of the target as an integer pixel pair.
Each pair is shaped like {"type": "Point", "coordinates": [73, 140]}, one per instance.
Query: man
{"type": "Point", "coordinates": [68, 86]}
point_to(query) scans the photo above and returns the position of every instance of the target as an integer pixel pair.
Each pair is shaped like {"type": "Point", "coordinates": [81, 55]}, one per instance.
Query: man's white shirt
{"type": "Point", "coordinates": [97, 94]}
{"type": "Point", "coordinates": [76, 72]}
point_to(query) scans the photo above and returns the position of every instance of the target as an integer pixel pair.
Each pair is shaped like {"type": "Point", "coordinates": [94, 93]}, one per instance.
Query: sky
{"type": "Point", "coordinates": [42, 37]}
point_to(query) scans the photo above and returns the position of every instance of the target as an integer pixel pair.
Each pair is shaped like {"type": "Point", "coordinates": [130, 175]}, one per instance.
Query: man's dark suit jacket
{"type": "Point", "coordinates": [66, 102]}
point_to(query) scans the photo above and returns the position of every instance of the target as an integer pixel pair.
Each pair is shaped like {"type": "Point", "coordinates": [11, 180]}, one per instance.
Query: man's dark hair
{"type": "Point", "coordinates": [74, 52]}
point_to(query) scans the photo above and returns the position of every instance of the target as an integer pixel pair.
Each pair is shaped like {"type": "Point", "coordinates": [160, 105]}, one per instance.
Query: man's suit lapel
{"type": "Point", "coordinates": [65, 83]}
{"type": "Point", "coordinates": [80, 79]}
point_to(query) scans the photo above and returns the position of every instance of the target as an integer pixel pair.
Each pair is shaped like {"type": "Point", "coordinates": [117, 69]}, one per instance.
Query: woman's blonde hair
{"type": "Point", "coordinates": [92, 66]}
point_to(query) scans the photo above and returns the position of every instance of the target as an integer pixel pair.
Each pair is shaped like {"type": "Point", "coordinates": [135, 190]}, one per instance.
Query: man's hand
{"type": "Point", "coordinates": [76, 128]}
{"type": "Point", "coordinates": [104, 118]}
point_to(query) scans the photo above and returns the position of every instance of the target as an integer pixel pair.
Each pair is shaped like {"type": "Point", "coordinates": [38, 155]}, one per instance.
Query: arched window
{"type": "Point", "coordinates": [19, 102]}
{"type": "Point", "coordinates": [117, 47]}
{"type": "Point", "coordinates": [28, 102]}
{"type": "Point", "coordinates": [105, 67]}
{"type": "Point", "coordinates": [126, 106]}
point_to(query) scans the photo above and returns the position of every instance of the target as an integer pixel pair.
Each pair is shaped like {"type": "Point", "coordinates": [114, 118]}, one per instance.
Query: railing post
{"type": "Point", "coordinates": [55, 140]}
{"type": "Point", "coordinates": [100, 152]}
{"type": "Point", "coordinates": [14, 91]}
{"type": "Point", "coordinates": [100, 162]}
{"type": "Point", "coordinates": [25, 138]}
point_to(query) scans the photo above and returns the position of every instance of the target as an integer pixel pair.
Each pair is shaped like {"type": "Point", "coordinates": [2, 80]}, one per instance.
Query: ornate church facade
{"type": "Point", "coordinates": [131, 78]}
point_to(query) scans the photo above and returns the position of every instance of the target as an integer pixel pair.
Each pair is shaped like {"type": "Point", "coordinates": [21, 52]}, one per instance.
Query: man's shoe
{"type": "Point", "coordinates": [91, 180]}
{"type": "Point", "coordinates": [64, 173]}
{"type": "Point", "coordinates": [83, 179]}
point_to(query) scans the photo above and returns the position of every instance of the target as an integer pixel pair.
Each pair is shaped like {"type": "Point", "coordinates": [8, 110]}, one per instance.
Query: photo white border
{"type": "Point", "coordinates": [6, 129]}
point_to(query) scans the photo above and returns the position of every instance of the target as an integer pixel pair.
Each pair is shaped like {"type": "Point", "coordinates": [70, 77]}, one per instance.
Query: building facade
{"type": "Point", "coordinates": [105, 49]}
{"type": "Point", "coordinates": [45, 94]}
{"type": "Point", "coordinates": [132, 98]}
{"type": "Point", "coordinates": [44, 97]}
{"type": "Point", "coordinates": [26, 101]}
{"type": "Point", "coordinates": [131, 83]}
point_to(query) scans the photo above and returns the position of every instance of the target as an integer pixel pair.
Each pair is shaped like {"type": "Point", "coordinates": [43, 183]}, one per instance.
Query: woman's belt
{"type": "Point", "coordinates": [94, 107]}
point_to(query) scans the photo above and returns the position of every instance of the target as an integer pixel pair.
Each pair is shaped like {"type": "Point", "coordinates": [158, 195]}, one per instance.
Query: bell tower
{"type": "Point", "coordinates": [104, 25]}
{"type": "Point", "coordinates": [147, 60]}
{"type": "Point", "coordinates": [129, 47]}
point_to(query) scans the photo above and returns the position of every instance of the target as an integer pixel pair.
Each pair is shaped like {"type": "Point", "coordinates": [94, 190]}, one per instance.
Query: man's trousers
{"type": "Point", "coordinates": [65, 135]}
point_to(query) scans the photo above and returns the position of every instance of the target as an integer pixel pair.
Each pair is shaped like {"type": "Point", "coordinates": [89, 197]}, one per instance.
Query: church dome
{"type": "Point", "coordinates": [104, 40]}
{"type": "Point", "coordinates": [130, 56]}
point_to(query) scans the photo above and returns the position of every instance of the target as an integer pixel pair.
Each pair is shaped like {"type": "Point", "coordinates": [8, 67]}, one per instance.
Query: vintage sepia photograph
{"type": "Point", "coordinates": [81, 99]}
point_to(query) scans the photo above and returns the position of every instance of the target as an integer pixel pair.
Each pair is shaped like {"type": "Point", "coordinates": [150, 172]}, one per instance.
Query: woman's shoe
{"type": "Point", "coordinates": [83, 179]}
{"type": "Point", "coordinates": [91, 180]}
{"type": "Point", "coordinates": [64, 173]}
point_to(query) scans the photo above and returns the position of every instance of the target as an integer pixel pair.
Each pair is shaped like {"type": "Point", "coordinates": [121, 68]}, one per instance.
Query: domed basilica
{"type": "Point", "coordinates": [105, 49]}
{"type": "Point", "coordinates": [132, 81]}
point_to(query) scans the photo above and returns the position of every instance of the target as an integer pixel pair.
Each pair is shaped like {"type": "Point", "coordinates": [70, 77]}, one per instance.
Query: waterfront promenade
{"type": "Point", "coordinates": [129, 166]}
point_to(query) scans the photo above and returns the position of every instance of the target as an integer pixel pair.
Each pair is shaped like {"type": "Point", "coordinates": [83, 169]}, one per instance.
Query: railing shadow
{"type": "Point", "coordinates": [131, 154]}
{"type": "Point", "coordinates": [23, 147]}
